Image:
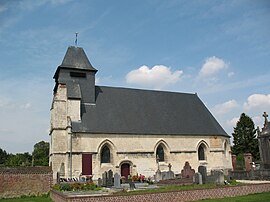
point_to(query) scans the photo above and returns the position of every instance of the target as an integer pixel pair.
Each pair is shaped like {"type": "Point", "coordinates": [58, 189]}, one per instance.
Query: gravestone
{"type": "Point", "coordinates": [197, 178]}
{"type": "Point", "coordinates": [104, 179]}
{"type": "Point", "coordinates": [158, 176]}
{"type": "Point", "coordinates": [99, 182]}
{"type": "Point", "coordinates": [217, 176]}
{"type": "Point", "coordinates": [203, 171]}
{"type": "Point", "coordinates": [187, 171]}
{"type": "Point", "coordinates": [116, 182]}
{"type": "Point", "coordinates": [132, 186]}
{"type": "Point", "coordinates": [110, 178]}
{"type": "Point", "coordinates": [170, 173]}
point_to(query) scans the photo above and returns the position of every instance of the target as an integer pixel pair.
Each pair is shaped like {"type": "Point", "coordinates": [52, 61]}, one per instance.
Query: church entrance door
{"type": "Point", "coordinates": [87, 164]}
{"type": "Point", "coordinates": [125, 170]}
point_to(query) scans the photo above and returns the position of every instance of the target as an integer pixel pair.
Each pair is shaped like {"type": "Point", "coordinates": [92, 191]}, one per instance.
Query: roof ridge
{"type": "Point", "coordinates": [145, 90]}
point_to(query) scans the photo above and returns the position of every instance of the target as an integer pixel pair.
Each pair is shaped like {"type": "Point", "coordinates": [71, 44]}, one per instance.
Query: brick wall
{"type": "Point", "coordinates": [15, 182]}
{"type": "Point", "coordinates": [190, 195]}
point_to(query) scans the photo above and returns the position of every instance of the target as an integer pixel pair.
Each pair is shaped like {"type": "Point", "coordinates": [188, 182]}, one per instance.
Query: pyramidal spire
{"type": "Point", "coordinates": [76, 58]}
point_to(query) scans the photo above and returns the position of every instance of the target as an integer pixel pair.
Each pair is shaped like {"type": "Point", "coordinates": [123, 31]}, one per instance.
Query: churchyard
{"type": "Point", "coordinates": [164, 186]}
{"type": "Point", "coordinates": [188, 186]}
{"type": "Point", "coordinates": [262, 197]}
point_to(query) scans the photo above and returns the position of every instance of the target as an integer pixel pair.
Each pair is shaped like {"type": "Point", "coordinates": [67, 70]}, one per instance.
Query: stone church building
{"type": "Point", "coordinates": [98, 128]}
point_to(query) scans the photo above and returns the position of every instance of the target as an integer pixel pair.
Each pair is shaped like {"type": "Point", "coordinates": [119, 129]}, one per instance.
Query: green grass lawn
{"type": "Point", "coordinates": [261, 197]}
{"type": "Point", "coordinates": [28, 199]}
{"type": "Point", "coordinates": [167, 188]}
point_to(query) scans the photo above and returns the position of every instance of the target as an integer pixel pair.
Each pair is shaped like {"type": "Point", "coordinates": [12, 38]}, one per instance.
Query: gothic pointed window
{"type": "Point", "coordinates": [160, 153]}
{"type": "Point", "coordinates": [105, 155]}
{"type": "Point", "coordinates": [201, 152]}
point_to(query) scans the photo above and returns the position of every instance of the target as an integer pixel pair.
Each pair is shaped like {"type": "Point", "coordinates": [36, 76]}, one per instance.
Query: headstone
{"type": "Point", "coordinates": [116, 182]}
{"type": "Point", "coordinates": [203, 171]}
{"type": "Point", "coordinates": [187, 171]}
{"type": "Point", "coordinates": [99, 182]}
{"type": "Point", "coordinates": [132, 186]}
{"type": "Point", "coordinates": [158, 176]}
{"type": "Point", "coordinates": [197, 178]}
{"type": "Point", "coordinates": [110, 178]}
{"type": "Point", "coordinates": [217, 176]}
{"type": "Point", "coordinates": [170, 173]}
{"type": "Point", "coordinates": [104, 179]}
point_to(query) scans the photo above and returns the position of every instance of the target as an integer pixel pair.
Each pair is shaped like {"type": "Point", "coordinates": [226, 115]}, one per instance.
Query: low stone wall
{"type": "Point", "coordinates": [182, 181]}
{"type": "Point", "coordinates": [190, 195]}
{"type": "Point", "coordinates": [18, 181]}
{"type": "Point", "coordinates": [251, 175]}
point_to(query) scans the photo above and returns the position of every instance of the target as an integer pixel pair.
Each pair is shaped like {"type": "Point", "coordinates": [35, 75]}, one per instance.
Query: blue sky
{"type": "Point", "coordinates": [217, 49]}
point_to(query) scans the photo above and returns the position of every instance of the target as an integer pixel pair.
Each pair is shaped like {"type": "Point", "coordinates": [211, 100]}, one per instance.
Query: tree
{"type": "Point", "coordinates": [19, 159]}
{"type": "Point", "coordinates": [3, 156]}
{"type": "Point", "coordinates": [41, 154]}
{"type": "Point", "coordinates": [244, 137]}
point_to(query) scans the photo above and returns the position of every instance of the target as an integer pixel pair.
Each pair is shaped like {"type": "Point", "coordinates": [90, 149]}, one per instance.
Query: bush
{"type": "Point", "coordinates": [76, 187]}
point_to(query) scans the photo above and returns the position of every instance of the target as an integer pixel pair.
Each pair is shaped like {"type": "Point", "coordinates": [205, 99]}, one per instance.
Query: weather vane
{"type": "Point", "coordinates": [76, 39]}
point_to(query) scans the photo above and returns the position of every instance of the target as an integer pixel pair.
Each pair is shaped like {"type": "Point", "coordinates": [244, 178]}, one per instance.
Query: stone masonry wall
{"type": "Point", "coordinates": [190, 195]}
{"type": "Point", "coordinates": [15, 182]}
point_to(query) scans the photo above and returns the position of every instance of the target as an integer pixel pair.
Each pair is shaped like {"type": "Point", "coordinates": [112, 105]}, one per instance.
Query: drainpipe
{"type": "Point", "coordinates": [70, 154]}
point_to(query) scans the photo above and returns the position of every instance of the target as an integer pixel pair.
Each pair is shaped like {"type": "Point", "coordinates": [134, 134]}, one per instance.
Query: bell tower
{"type": "Point", "coordinates": [74, 88]}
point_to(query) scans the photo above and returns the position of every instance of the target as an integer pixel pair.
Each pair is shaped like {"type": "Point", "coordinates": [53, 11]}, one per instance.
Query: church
{"type": "Point", "coordinates": [129, 131]}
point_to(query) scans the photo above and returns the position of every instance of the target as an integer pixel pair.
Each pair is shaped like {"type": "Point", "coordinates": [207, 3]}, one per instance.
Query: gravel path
{"type": "Point", "coordinates": [253, 181]}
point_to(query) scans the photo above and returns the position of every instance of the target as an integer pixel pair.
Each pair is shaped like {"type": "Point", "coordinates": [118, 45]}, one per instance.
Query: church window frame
{"type": "Point", "coordinates": [202, 152]}
{"type": "Point", "coordinates": [105, 154]}
{"type": "Point", "coordinates": [160, 153]}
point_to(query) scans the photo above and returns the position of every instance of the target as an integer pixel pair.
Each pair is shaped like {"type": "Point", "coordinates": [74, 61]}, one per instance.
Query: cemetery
{"type": "Point", "coordinates": [186, 186]}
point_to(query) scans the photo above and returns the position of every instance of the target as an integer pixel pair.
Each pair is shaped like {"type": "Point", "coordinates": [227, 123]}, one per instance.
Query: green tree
{"type": "Point", "coordinates": [244, 137]}
{"type": "Point", "coordinates": [3, 156]}
{"type": "Point", "coordinates": [41, 154]}
{"type": "Point", "coordinates": [19, 159]}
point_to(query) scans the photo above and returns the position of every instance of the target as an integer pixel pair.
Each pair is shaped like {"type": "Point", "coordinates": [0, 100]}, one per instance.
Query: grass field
{"type": "Point", "coordinates": [29, 199]}
{"type": "Point", "coordinates": [261, 197]}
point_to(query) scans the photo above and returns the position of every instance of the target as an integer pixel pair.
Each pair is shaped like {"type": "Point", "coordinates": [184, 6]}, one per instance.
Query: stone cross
{"type": "Point", "coordinates": [157, 161]}
{"type": "Point", "coordinates": [265, 115]}
{"type": "Point", "coordinates": [170, 167]}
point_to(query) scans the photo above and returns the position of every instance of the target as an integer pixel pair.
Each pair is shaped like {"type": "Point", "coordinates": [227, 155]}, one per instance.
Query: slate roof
{"type": "Point", "coordinates": [112, 110]}
{"type": "Point", "coordinates": [75, 58]}
{"type": "Point", "coordinates": [133, 111]}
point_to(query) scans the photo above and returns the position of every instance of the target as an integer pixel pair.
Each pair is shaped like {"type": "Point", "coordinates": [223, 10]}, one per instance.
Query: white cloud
{"type": "Point", "coordinates": [225, 107]}
{"type": "Point", "coordinates": [211, 66]}
{"type": "Point", "coordinates": [232, 123]}
{"type": "Point", "coordinates": [258, 101]}
{"type": "Point", "coordinates": [158, 76]}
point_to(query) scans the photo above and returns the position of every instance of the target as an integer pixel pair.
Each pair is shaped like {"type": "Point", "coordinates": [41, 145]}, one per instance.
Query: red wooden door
{"type": "Point", "coordinates": [87, 164]}
{"type": "Point", "coordinates": [125, 170]}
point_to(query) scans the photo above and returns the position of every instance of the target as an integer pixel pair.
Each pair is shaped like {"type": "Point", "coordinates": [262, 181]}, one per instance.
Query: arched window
{"type": "Point", "coordinates": [160, 153]}
{"type": "Point", "coordinates": [105, 155]}
{"type": "Point", "coordinates": [201, 152]}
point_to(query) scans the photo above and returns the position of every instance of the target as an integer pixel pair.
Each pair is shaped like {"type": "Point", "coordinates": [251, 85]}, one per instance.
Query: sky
{"type": "Point", "coordinates": [217, 49]}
